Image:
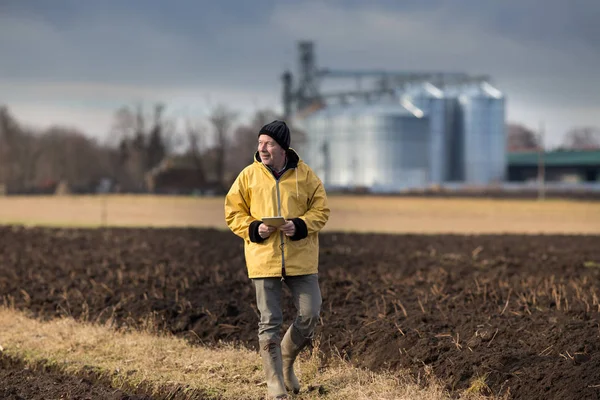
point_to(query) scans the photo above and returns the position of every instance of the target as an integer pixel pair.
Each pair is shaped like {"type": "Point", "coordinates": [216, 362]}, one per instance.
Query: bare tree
{"type": "Point", "coordinates": [123, 127]}
{"type": "Point", "coordinates": [33, 161]}
{"type": "Point", "coordinates": [221, 118]}
{"type": "Point", "coordinates": [241, 149]}
{"type": "Point", "coordinates": [31, 153]}
{"type": "Point", "coordinates": [127, 134]}
{"type": "Point", "coordinates": [69, 155]}
{"type": "Point", "coordinates": [9, 136]}
{"type": "Point", "coordinates": [582, 138]}
{"type": "Point", "coordinates": [156, 149]}
{"type": "Point", "coordinates": [19, 151]}
{"type": "Point", "coordinates": [140, 149]}
{"type": "Point", "coordinates": [244, 142]}
{"type": "Point", "coordinates": [521, 138]}
{"type": "Point", "coordinates": [196, 134]}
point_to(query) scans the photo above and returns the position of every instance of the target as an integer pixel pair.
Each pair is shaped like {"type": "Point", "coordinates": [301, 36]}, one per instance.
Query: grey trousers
{"type": "Point", "coordinates": [307, 299]}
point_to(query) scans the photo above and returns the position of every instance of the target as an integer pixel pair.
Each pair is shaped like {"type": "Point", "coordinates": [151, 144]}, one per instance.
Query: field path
{"type": "Point", "coordinates": [349, 213]}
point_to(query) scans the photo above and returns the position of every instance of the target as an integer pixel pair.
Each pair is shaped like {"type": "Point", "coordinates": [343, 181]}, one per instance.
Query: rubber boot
{"type": "Point", "coordinates": [293, 342]}
{"type": "Point", "coordinates": [270, 352]}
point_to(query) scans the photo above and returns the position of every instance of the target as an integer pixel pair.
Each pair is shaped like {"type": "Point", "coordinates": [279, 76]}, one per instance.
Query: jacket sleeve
{"type": "Point", "coordinates": [237, 210]}
{"type": "Point", "coordinates": [318, 209]}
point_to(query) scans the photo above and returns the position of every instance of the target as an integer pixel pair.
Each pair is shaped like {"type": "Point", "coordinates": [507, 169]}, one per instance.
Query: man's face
{"type": "Point", "coordinates": [271, 153]}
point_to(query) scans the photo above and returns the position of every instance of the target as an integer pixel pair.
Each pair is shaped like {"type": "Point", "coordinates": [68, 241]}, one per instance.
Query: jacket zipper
{"type": "Point", "coordinates": [281, 238]}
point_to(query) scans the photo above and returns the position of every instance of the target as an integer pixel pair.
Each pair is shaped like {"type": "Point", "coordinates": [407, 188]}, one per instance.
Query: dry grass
{"type": "Point", "coordinates": [478, 386]}
{"type": "Point", "coordinates": [349, 213]}
{"type": "Point", "coordinates": [166, 365]}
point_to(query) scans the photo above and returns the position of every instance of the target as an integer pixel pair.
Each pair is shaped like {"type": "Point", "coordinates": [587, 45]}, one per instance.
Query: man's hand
{"type": "Point", "coordinates": [289, 229]}
{"type": "Point", "coordinates": [265, 230]}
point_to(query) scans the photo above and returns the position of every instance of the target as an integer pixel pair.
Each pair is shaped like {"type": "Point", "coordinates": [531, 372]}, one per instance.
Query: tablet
{"type": "Point", "coordinates": [273, 221]}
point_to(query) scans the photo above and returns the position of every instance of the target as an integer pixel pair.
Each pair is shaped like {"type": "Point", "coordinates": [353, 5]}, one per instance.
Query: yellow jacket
{"type": "Point", "coordinates": [299, 196]}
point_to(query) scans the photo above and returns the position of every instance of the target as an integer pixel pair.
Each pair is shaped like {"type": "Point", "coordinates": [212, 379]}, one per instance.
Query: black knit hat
{"type": "Point", "coordinates": [279, 131]}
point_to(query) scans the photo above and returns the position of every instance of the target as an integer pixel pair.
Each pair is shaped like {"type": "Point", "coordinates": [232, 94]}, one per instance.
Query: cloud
{"type": "Point", "coordinates": [44, 104]}
{"type": "Point", "coordinates": [44, 115]}
{"type": "Point", "coordinates": [543, 54]}
{"type": "Point", "coordinates": [439, 39]}
{"type": "Point", "coordinates": [548, 76]}
{"type": "Point", "coordinates": [122, 49]}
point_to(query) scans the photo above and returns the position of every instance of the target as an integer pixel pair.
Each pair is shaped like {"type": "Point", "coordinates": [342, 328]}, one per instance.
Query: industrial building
{"type": "Point", "coordinates": [412, 130]}
{"type": "Point", "coordinates": [569, 167]}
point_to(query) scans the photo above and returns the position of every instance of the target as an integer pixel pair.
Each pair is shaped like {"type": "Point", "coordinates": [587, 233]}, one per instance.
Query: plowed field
{"type": "Point", "coordinates": [523, 311]}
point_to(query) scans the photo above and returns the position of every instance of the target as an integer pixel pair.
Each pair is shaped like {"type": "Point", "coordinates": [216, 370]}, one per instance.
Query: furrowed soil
{"type": "Point", "coordinates": [520, 311]}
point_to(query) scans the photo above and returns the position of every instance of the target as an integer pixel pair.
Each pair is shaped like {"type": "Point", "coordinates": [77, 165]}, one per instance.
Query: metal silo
{"type": "Point", "coordinates": [328, 144]}
{"type": "Point", "coordinates": [392, 147]}
{"type": "Point", "coordinates": [482, 134]}
{"type": "Point", "coordinates": [306, 125]}
{"type": "Point", "coordinates": [382, 147]}
{"type": "Point", "coordinates": [342, 148]}
{"type": "Point", "coordinates": [440, 108]}
{"type": "Point", "coordinates": [316, 126]}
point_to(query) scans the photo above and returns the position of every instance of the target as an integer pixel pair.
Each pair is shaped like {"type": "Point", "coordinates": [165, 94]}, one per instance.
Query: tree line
{"type": "Point", "coordinates": [521, 138]}
{"type": "Point", "coordinates": [146, 143]}
{"type": "Point", "coordinates": [141, 144]}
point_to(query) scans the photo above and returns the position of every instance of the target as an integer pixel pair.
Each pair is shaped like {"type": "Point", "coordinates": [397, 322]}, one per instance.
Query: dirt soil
{"type": "Point", "coordinates": [521, 311]}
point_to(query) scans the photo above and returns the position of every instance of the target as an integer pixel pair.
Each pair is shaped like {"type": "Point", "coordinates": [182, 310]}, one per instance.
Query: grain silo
{"type": "Point", "coordinates": [382, 146]}
{"type": "Point", "coordinates": [441, 110]}
{"type": "Point", "coordinates": [481, 133]}
{"type": "Point", "coordinates": [409, 130]}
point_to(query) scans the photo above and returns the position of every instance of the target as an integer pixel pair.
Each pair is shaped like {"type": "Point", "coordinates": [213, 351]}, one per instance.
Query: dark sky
{"type": "Point", "coordinates": [75, 62]}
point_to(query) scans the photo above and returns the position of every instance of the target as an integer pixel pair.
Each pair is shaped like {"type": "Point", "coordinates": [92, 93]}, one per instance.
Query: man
{"type": "Point", "coordinates": [279, 183]}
